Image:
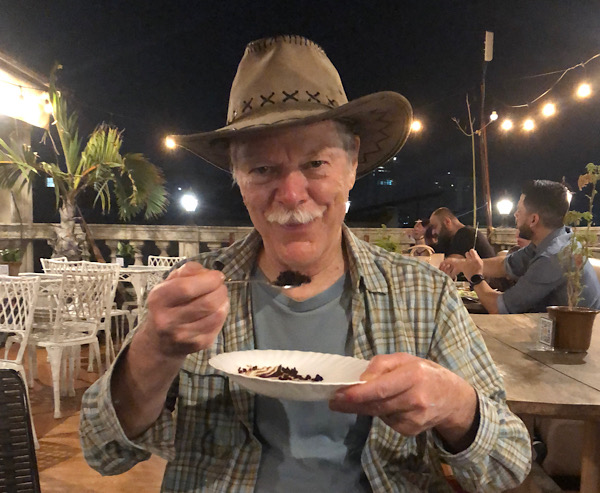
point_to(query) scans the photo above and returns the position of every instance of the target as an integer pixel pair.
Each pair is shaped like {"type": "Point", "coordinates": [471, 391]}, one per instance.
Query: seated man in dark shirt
{"type": "Point", "coordinates": [455, 239]}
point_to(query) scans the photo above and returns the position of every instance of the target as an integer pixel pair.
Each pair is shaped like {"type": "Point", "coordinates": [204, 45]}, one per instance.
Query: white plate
{"type": "Point", "coordinates": [337, 371]}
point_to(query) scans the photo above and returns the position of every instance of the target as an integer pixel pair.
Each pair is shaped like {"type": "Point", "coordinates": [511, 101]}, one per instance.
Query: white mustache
{"type": "Point", "coordinates": [294, 216]}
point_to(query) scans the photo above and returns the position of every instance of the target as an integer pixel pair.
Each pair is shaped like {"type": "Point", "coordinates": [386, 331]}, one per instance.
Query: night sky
{"type": "Point", "coordinates": [154, 68]}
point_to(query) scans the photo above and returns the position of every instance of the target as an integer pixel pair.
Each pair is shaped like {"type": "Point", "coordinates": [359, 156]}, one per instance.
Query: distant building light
{"type": "Point", "coordinates": [49, 182]}
{"type": "Point", "coordinates": [386, 183]}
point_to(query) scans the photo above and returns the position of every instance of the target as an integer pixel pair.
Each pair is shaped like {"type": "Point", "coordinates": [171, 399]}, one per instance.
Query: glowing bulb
{"type": "Point", "coordinates": [584, 90]}
{"type": "Point", "coordinates": [189, 202]}
{"type": "Point", "coordinates": [170, 143]}
{"type": "Point", "coordinates": [494, 116]}
{"type": "Point", "coordinates": [416, 126]}
{"type": "Point", "coordinates": [549, 109]}
{"type": "Point", "coordinates": [506, 124]}
{"type": "Point", "coordinates": [504, 206]}
{"type": "Point", "coordinates": [528, 125]}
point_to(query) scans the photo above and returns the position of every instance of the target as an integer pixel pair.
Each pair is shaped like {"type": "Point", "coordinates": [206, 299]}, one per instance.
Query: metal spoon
{"type": "Point", "coordinates": [286, 280]}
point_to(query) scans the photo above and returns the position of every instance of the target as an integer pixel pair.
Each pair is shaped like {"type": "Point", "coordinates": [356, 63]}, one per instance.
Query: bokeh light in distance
{"type": "Point", "coordinates": [584, 90]}
{"type": "Point", "coordinates": [170, 143]}
{"type": "Point", "coordinates": [416, 126]}
{"type": "Point", "coordinates": [549, 109]}
{"type": "Point", "coordinates": [528, 125]}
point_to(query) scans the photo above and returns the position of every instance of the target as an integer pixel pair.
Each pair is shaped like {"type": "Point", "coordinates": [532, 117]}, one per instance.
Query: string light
{"type": "Point", "coordinates": [584, 90]}
{"type": "Point", "coordinates": [506, 124]}
{"type": "Point", "coordinates": [170, 143]}
{"type": "Point", "coordinates": [416, 126]}
{"type": "Point", "coordinates": [549, 109]}
{"type": "Point", "coordinates": [494, 116]}
{"type": "Point", "coordinates": [528, 125]}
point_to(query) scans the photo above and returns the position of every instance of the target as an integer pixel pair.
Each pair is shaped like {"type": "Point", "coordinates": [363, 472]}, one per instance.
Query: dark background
{"type": "Point", "coordinates": [154, 68]}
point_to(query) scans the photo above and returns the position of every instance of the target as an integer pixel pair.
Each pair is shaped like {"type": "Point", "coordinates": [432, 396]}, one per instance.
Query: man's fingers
{"type": "Point", "coordinates": [186, 286]}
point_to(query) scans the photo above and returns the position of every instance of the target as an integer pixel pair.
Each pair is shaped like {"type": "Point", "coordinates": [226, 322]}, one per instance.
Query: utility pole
{"type": "Point", "coordinates": [485, 173]}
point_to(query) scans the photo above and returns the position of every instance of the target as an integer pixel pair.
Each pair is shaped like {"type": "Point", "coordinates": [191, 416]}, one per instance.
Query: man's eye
{"type": "Point", "coordinates": [260, 170]}
{"type": "Point", "coordinates": [316, 164]}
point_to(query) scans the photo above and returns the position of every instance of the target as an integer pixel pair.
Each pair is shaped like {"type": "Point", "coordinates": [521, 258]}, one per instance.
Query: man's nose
{"type": "Point", "coordinates": [291, 188]}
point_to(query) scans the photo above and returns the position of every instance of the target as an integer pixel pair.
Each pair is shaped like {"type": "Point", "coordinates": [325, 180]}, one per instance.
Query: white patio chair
{"type": "Point", "coordinates": [45, 262]}
{"type": "Point", "coordinates": [119, 315]}
{"type": "Point", "coordinates": [83, 299]}
{"type": "Point", "coordinates": [158, 261]}
{"type": "Point", "coordinates": [18, 296]}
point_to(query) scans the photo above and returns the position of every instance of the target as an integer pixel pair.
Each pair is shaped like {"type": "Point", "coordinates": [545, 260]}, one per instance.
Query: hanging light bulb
{"type": "Point", "coordinates": [549, 109]}
{"type": "Point", "coordinates": [416, 126]}
{"type": "Point", "coordinates": [528, 125]}
{"type": "Point", "coordinates": [494, 116]}
{"type": "Point", "coordinates": [584, 90]}
{"type": "Point", "coordinates": [506, 124]}
{"type": "Point", "coordinates": [170, 143]}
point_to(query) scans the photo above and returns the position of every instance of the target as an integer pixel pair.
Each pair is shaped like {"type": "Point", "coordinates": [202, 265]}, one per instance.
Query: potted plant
{"type": "Point", "coordinates": [127, 252]}
{"type": "Point", "coordinates": [12, 257]}
{"type": "Point", "coordinates": [573, 324]}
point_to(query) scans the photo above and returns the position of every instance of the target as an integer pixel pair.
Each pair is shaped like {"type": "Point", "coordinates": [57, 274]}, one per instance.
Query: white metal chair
{"type": "Point", "coordinates": [46, 261]}
{"type": "Point", "coordinates": [158, 261]}
{"type": "Point", "coordinates": [18, 296]}
{"type": "Point", "coordinates": [84, 298]}
{"type": "Point", "coordinates": [119, 315]}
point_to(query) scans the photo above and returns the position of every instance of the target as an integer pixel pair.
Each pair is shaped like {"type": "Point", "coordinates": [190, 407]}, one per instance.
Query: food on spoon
{"type": "Point", "coordinates": [278, 372]}
{"type": "Point", "coordinates": [291, 278]}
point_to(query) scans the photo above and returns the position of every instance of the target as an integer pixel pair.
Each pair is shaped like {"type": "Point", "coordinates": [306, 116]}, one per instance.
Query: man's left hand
{"type": "Point", "coordinates": [411, 395]}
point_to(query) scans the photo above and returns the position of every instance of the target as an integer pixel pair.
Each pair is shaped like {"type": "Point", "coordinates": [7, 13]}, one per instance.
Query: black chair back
{"type": "Point", "coordinates": [18, 465]}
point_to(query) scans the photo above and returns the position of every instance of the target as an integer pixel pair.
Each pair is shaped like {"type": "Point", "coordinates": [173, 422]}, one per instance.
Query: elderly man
{"type": "Point", "coordinates": [455, 239]}
{"type": "Point", "coordinates": [537, 268]}
{"type": "Point", "coordinates": [432, 394]}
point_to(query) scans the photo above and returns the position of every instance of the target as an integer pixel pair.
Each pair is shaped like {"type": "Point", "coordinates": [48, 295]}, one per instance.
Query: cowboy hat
{"type": "Point", "coordinates": [288, 80]}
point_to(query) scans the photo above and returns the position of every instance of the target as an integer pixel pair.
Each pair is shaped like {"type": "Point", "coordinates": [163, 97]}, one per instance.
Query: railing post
{"type": "Point", "coordinates": [112, 245]}
{"type": "Point", "coordinates": [162, 246]}
{"type": "Point", "coordinates": [188, 248]}
{"type": "Point", "coordinates": [138, 252]}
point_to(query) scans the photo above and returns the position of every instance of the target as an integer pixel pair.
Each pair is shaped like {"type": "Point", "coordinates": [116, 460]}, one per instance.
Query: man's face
{"type": "Point", "coordinates": [295, 184]}
{"type": "Point", "coordinates": [522, 218]}
{"type": "Point", "coordinates": [439, 228]}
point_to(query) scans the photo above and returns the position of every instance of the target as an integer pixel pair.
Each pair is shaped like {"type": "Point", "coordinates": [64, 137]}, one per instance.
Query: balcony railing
{"type": "Point", "coordinates": [191, 240]}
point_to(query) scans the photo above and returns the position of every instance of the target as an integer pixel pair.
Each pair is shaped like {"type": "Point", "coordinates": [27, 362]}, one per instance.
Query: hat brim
{"type": "Point", "coordinates": [382, 121]}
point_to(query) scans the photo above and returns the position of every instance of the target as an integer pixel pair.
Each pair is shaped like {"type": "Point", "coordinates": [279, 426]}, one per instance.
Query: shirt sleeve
{"type": "Point", "coordinates": [105, 446]}
{"type": "Point", "coordinates": [516, 263]}
{"type": "Point", "coordinates": [542, 277]}
{"type": "Point", "coordinates": [500, 456]}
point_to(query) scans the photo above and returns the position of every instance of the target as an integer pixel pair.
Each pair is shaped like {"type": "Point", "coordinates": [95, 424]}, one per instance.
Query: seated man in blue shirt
{"type": "Point", "coordinates": [541, 281]}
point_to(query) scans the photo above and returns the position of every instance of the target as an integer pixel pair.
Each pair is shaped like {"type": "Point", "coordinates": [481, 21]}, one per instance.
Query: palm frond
{"type": "Point", "coordinates": [141, 186]}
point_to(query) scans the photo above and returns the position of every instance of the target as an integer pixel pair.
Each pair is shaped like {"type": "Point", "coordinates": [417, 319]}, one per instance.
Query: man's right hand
{"type": "Point", "coordinates": [186, 311]}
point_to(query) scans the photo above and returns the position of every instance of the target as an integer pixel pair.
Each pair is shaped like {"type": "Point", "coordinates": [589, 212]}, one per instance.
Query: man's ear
{"type": "Point", "coordinates": [535, 220]}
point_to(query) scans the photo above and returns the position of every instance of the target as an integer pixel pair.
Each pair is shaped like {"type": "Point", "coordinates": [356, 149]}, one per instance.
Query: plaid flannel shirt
{"type": "Point", "coordinates": [206, 430]}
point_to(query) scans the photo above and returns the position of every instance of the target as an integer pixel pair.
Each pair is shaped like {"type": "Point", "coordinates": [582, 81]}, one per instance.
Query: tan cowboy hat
{"type": "Point", "coordinates": [288, 80]}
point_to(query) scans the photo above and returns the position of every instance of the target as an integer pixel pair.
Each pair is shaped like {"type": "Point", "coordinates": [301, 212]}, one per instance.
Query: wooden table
{"type": "Point", "coordinates": [547, 383]}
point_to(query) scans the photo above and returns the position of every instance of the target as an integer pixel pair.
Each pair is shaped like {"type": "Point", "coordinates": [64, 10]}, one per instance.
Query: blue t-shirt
{"type": "Point", "coordinates": [305, 446]}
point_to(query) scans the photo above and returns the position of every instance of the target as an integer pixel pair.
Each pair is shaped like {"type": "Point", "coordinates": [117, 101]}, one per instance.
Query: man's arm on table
{"type": "Point", "coordinates": [185, 314]}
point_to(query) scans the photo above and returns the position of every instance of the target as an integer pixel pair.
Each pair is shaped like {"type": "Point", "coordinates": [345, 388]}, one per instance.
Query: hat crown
{"type": "Point", "coordinates": [282, 74]}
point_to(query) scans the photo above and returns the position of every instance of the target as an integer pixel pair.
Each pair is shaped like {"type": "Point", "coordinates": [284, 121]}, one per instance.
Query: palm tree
{"type": "Point", "coordinates": [136, 183]}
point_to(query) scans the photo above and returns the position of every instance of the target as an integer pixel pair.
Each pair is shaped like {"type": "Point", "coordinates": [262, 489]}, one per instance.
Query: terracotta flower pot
{"type": "Point", "coordinates": [13, 268]}
{"type": "Point", "coordinates": [572, 327]}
